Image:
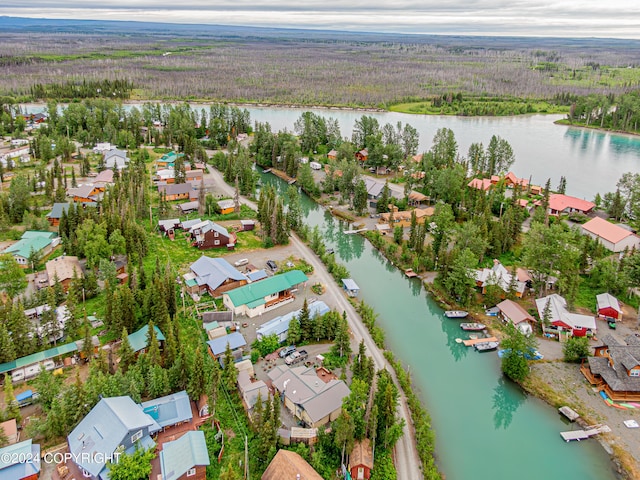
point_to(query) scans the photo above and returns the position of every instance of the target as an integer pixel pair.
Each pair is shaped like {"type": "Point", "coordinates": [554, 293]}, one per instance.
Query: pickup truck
{"type": "Point", "coordinates": [296, 357]}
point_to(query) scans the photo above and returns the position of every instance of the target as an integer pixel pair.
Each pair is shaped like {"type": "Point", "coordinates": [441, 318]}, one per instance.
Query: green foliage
{"type": "Point", "coordinates": [266, 345]}
{"type": "Point", "coordinates": [12, 278]}
{"type": "Point", "coordinates": [132, 467]}
{"type": "Point", "coordinates": [576, 349]}
{"type": "Point", "coordinates": [514, 364]}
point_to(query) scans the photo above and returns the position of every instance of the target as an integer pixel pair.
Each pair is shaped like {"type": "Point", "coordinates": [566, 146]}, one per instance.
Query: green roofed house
{"type": "Point", "coordinates": [41, 243]}
{"type": "Point", "coordinates": [260, 297]}
{"type": "Point", "coordinates": [186, 457]}
{"type": "Point", "coordinates": [139, 340]}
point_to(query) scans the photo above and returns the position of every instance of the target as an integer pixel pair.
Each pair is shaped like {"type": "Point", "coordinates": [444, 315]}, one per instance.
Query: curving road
{"type": "Point", "coordinates": [406, 458]}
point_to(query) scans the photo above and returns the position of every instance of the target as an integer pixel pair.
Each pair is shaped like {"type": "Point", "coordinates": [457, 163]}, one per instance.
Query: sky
{"type": "Point", "coordinates": [558, 18]}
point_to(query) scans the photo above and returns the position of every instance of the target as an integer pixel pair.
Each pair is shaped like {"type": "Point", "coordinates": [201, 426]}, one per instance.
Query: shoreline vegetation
{"type": "Point", "coordinates": [567, 122]}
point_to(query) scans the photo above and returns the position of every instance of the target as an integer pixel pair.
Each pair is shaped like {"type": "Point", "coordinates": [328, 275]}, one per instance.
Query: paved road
{"type": "Point", "coordinates": [407, 462]}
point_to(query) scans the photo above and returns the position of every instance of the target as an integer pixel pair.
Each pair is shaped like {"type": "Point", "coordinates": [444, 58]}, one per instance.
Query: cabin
{"type": "Point", "coordinates": [511, 180]}
{"type": "Point", "coordinates": [168, 160]}
{"type": "Point", "coordinates": [417, 199]}
{"type": "Point", "coordinates": [250, 389]}
{"type": "Point", "coordinates": [613, 237]}
{"type": "Point", "coordinates": [362, 156]}
{"type": "Point", "coordinates": [289, 465]}
{"type": "Point", "coordinates": [608, 306]}
{"type": "Point", "coordinates": [114, 424]}
{"type": "Point", "coordinates": [500, 276]}
{"type": "Point", "coordinates": [170, 410]}
{"type": "Point", "coordinates": [185, 458]}
{"type": "Point", "coordinates": [194, 175]}
{"type": "Point", "coordinates": [332, 155]}
{"type": "Point", "coordinates": [403, 218]}
{"type": "Point", "coordinates": [511, 312]}
{"type": "Point", "coordinates": [20, 461]}
{"type": "Point", "coordinates": [54, 216]}
{"type": "Point", "coordinates": [615, 368]}
{"type": "Point", "coordinates": [115, 159]}
{"type": "Point", "coordinates": [214, 276]}
{"type": "Point", "coordinates": [226, 206]}
{"type": "Point", "coordinates": [168, 227]}
{"type": "Point", "coordinates": [32, 241]}
{"type": "Point", "coordinates": [361, 460]}
{"type": "Point", "coordinates": [234, 340]}
{"type": "Point", "coordinates": [350, 286]}
{"type": "Point", "coordinates": [374, 190]}
{"type": "Point", "coordinates": [63, 269]}
{"type": "Point", "coordinates": [139, 340]}
{"type": "Point", "coordinates": [247, 225]}
{"type": "Point", "coordinates": [207, 234]}
{"type": "Point", "coordinates": [279, 326]}
{"type": "Point", "coordinates": [86, 193]}
{"type": "Point", "coordinates": [176, 191]}
{"type": "Point", "coordinates": [189, 207]}
{"type": "Point", "coordinates": [577, 324]}
{"type": "Point", "coordinates": [103, 147]}
{"type": "Point", "coordinates": [311, 395]}
{"type": "Point", "coordinates": [559, 204]}
{"type": "Point", "coordinates": [260, 297]}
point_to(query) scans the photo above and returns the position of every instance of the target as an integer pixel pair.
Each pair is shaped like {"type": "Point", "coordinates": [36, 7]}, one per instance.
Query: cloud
{"type": "Point", "coordinates": [585, 18]}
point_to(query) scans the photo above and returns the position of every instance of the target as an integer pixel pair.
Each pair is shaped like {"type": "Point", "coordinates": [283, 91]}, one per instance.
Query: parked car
{"type": "Point", "coordinates": [296, 357]}
{"type": "Point", "coordinates": [271, 265]}
{"type": "Point", "coordinates": [241, 262]}
{"type": "Point", "coordinates": [287, 351]}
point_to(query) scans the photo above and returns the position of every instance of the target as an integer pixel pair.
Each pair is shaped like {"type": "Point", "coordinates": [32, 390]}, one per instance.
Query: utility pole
{"type": "Point", "coordinates": [246, 458]}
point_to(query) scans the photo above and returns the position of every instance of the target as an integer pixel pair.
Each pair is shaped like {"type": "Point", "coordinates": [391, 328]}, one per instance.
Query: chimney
{"type": "Point", "coordinates": [298, 476]}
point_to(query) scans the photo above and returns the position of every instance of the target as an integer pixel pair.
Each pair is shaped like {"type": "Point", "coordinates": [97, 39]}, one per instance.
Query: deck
{"type": "Point", "coordinates": [472, 341]}
{"type": "Point", "coordinates": [584, 434]}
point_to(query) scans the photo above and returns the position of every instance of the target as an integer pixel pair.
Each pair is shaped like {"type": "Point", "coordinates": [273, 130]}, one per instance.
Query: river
{"type": "Point", "coordinates": [486, 427]}
{"type": "Point", "coordinates": [591, 160]}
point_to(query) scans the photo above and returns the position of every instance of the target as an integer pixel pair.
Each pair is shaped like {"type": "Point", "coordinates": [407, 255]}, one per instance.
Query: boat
{"type": "Point", "coordinates": [410, 273]}
{"type": "Point", "coordinates": [486, 346]}
{"type": "Point", "coordinates": [268, 170]}
{"type": "Point", "coordinates": [473, 326]}
{"type": "Point", "coordinates": [532, 354]}
{"type": "Point", "coordinates": [455, 314]}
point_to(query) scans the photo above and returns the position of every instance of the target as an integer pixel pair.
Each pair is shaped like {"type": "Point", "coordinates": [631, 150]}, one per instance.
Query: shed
{"type": "Point", "coordinates": [608, 306]}
{"type": "Point", "coordinates": [10, 429]}
{"type": "Point", "coordinates": [247, 225]}
{"type": "Point", "coordinates": [138, 340]}
{"type": "Point", "coordinates": [351, 287]}
{"type": "Point", "coordinates": [511, 312]}
{"type": "Point", "coordinates": [361, 460]}
{"type": "Point", "coordinates": [289, 465]}
{"type": "Point", "coordinates": [187, 456]}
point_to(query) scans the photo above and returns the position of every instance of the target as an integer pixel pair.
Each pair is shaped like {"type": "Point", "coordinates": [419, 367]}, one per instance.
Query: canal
{"type": "Point", "coordinates": [486, 427]}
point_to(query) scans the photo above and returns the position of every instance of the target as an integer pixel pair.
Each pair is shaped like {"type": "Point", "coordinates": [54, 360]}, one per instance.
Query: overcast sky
{"type": "Point", "coordinates": [574, 18]}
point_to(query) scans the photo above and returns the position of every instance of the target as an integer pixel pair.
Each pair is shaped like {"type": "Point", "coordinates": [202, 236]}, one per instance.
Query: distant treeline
{"type": "Point", "coordinates": [614, 112]}
{"type": "Point", "coordinates": [120, 89]}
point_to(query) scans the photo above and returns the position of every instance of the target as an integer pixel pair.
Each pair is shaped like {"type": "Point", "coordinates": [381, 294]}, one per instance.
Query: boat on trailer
{"type": "Point", "coordinates": [486, 346]}
{"type": "Point", "coordinates": [455, 314]}
{"type": "Point", "coordinates": [473, 327]}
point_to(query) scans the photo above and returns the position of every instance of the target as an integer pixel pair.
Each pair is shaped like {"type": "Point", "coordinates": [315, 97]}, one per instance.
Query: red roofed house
{"type": "Point", "coordinates": [511, 312]}
{"type": "Point", "coordinates": [480, 183]}
{"type": "Point", "coordinates": [608, 306]}
{"type": "Point", "coordinates": [559, 203]}
{"type": "Point", "coordinates": [332, 155]}
{"type": "Point", "coordinates": [362, 155]}
{"type": "Point", "coordinates": [611, 236]}
{"type": "Point", "coordinates": [511, 179]}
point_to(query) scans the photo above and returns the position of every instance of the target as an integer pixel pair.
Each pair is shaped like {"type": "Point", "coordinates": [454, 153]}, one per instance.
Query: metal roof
{"type": "Point", "coordinates": [57, 209]}
{"type": "Point", "coordinates": [180, 456]}
{"type": "Point", "coordinates": [350, 284]}
{"type": "Point", "coordinates": [31, 240]}
{"type": "Point", "coordinates": [219, 345]}
{"type": "Point", "coordinates": [138, 340]}
{"type": "Point", "coordinates": [38, 357]}
{"type": "Point", "coordinates": [279, 325]}
{"type": "Point", "coordinates": [254, 293]}
{"type": "Point", "coordinates": [169, 410]}
{"type": "Point", "coordinates": [606, 300]}
{"type": "Point", "coordinates": [213, 272]}
{"type": "Point", "coordinates": [15, 460]}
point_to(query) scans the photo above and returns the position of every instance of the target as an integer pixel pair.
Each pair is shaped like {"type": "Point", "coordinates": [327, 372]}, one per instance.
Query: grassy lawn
{"type": "Point", "coordinates": [586, 297]}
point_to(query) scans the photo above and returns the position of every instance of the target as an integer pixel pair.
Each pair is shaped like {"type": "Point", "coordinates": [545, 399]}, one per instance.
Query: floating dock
{"type": "Point", "coordinates": [473, 341]}
{"type": "Point", "coordinates": [349, 232]}
{"type": "Point", "coordinates": [569, 413]}
{"type": "Point", "coordinates": [584, 434]}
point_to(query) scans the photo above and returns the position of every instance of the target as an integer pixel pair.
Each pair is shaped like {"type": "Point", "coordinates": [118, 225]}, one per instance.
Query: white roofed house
{"type": "Point", "coordinates": [115, 159]}
{"type": "Point", "coordinates": [608, 306]}
{"type": "Point", "coordinates": [500, 276]}
{"type": "Point", "coordinates": [215, 276]}
{"type": "Point", "coordinates": [577, 324]}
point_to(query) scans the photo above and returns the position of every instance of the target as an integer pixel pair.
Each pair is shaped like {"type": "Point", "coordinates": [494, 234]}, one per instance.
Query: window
{"type": "Point", "coordinates": [216, 234]}
{"type": "Point", "coordinates": [136, 436]}
{"type": "Point", "coordinates": [191, 472]}
{"type": "Point", "coordinates": [634, 373]}
{"type": "Point", "coordinates": [217, 242]}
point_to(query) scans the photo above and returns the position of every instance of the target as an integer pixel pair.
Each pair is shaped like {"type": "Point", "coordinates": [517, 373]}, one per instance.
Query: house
{"type": "Point", "coordinates": [218, 346]}
{"type": "Point", "coordinates": [559, 203]}
{"type": "Point", "coordinates": [10, 429]}
{"type": "Point", "coordinates": [615, 368]}
{"type": "Point", "coordinates": [185, 458]}
{"type": "Point", "coordinates": [86, 193]}
{"type": "Point", "coordinates": [418, 158]}
{"type": "Point", "coordinates": [21, 152]}
{"type": "Point", "coordinates": [247, 225]}
{"type": "Point", "coordinates": [139, 340]}
{"type": "Point", "coordinates": [168, 226]}
{"type": "Point", "coordinates": [417, 198]}
{"type": "Point", "coordinates": [168, 160]}
{"type": "Point", "coordinates": [187, 224]}
{"type": "Point", "coordinates": [256, 275]}
{"type": "Point", "coordinates": [361, 460]}
{"type": "Point", "coordinates": [511, 180]}
{"type": "Point", "coordinates": [280, 325]}
{"type": "Point", "coordinates": [608, 306]}
{"type": "Point", "coordinates": [170, 410]}
{"type": "Point", "coordinates": [214, 276]}
{"type": "Point", "coordinates": [350, 286]}
{"type": "Point", "coordinates": [332, 155]}
{"type": "Point", "coordinates": [32, 241]}
{"type": "Point", "coordinates": [115, 159]}
{"type": "Point", "coordinates": [250, 390]}
{"type": "Point", "coordinates": [260, 297]}
{"type": "Point", "coordinates": [194, 175]}
{"type": "Point", "coordinates": [289, 465]}
{"type": "Point", "coordinates": [483, 184]}
{"type": "Point", "coordinates": [312, 396]}
{"type": "Point", "coordinates": [374, 189]}
{"type": "Point", "coordinates": [403, 218]}
{"type": "Point", "coordinates": [612, 237]}
{"type": "Point", "coordinates": [20, 461]}
{"type": "Point", "coordinates": [362, 155]}
{"type": "Point", "coordinates": [513, 313]}
{"type": "Point", "coordinates": [208, 234]}
{"type": "Point", "coordinates": [103, 179]}
{"type": "Point", "coordinates": [579, 325]}
{"type": "Point", "coordinates": [226, 206]}
{"type": "Point", "coordinates": [114, 424]}
{"type": "Point", "coordinates": [500, 276]}
{"type": "Point", "coordinates": [54, 216]}
{"type": "Point", "coordinates": [189, 207]}
{"type": "Point", "coordinates": [165, 176]}
{"type": "Point", "coordinates": [175, 191]}
{"type": "Point", "coordinates": [63, 269]}
{"type": "Point", "coordinates": [103, 148]}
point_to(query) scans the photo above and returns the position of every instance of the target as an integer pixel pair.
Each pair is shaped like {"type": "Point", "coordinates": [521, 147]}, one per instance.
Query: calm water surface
{"type": "Point", "coordinates": [486, 428]}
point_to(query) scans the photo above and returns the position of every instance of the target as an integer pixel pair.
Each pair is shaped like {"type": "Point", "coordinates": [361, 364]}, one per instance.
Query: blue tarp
{"type": "Point", "coordinates": [27, 394]}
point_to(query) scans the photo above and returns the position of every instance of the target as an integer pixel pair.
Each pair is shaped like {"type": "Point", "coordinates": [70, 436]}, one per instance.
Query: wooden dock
{"type": "Point", "coordinates": [472, 341]}
{"type": "Point", "coordinates": [349, 232]}
{"type": "Point", "coordinates": [584, 434]}
{"type": "Point", "coordinates": [569, 413]}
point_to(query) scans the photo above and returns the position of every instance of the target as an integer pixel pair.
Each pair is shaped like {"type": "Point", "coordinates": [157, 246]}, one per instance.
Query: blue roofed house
{"type": "Point", "coordinates": [350, 286]}
{"type": "Point", "coordinates": [213, 275]}
{"type": "Point", "coordinates": [139, 340]}
{"type": "Point", "coordinates": [54, 216]}
{"type": "Point", "coordinates": [260, 297]}
{"type": "Point", "coordinates": [39, 242]}
{"type": "Point", "coordinates": [115, 424]}
{"type": "Point", "coordinates": [170, 410]}
{"type": "Point", "coordinates": [235, 340]}
{"type": "Point", "coordinates": [280, 325]}
{"type": "Point", "coordinates": [185, 458]}
{"type": "Point", "coordinates": [20, 461]}
{"type": "Point", "coordinates": [115, 158]}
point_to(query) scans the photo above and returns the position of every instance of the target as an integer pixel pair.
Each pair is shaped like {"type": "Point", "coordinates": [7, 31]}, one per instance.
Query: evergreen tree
{"type": "Point", "coordinates": [127, 355]}
{"type": "Point", "coordinates": [7, 352]}
{"type": "Point", "coordinates": [306, 327]}
{"type": "Point", "coordinates": [342, 345]}
{"type": "Point", "coordinates": [87, 342]}
{"type": "Point", "coordinates": [229, 372]}
{"type": "Point", "coordinates": [13, 410]}
{"type": "Point", "coordinates": [295, 332]}
{"type": "Point", "coordinates": [153, 349]}
{"type": "Point", "coordinates": [197, 383]}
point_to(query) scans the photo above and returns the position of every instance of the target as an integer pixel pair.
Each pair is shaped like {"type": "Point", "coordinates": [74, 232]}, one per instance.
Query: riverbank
{"type": "Point", "coordinates": [569, 123]}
